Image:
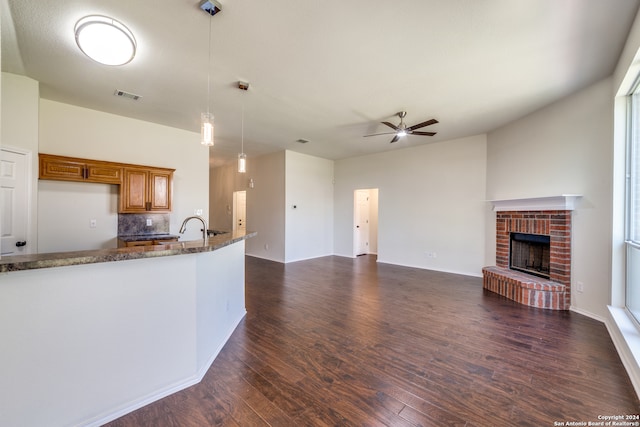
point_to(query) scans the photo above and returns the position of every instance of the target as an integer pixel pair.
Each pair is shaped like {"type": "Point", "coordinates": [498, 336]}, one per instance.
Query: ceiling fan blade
{"type": "Point", "coordinates": [376, 134]}
{"type": "Point", "coordinates": [423, 124]}
{"type": "Point", "coordinates": [391, 125]}
{"type": "Point", "coordinates": [395, 138]}
{"type": "Point", "coordinates": [422, 133]}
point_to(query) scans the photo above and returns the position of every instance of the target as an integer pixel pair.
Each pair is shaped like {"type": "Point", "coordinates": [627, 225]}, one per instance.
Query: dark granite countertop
{"type": "Point", "coordinates": [141, 237]}
{"type": "Point", "coordinates": [60, 259]}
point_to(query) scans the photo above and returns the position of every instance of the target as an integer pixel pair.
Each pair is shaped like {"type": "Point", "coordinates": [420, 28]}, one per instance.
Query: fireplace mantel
{"type": "Point", "coordinates": [564, 202]}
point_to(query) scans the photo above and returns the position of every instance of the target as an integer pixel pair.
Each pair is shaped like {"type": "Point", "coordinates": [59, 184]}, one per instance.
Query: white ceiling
{"type": "Point", "coordinates": [327, 71]}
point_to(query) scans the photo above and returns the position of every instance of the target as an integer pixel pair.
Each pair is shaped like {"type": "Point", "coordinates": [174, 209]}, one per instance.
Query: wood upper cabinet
{"type": "Point", "coordinates": [73, 169]}
{"type": "Point", "coordinates": [146, 190]}
{"type": "Point", "coordinates": [142, 188]}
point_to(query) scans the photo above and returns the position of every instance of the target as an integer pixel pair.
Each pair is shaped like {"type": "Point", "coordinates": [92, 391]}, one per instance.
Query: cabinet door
{"type": "Point", "coordinates": [52, 167]}
{"type": "Point", "coordinates": [160, 190]}
{"type": "Point", "coordinates": [159, 242]}
{"type": "Point", "coordinates": [139, 243]}
{"type": "Point", "coordinates": [133, 195]}
{"type": "Point", "coordinates": [72, 169]}
{"type": "Point", "coordinates": [104, 172]}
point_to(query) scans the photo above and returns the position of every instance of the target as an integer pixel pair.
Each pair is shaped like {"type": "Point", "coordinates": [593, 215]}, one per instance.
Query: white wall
{"type": "Point", "coordinates": [265, 207]}
{"type": "Point", "coordinates": [80, 132]}
{"type": "Point", "coordinates": [564, 148]}
{"type": "Point", "coordinates": [281, 180]}
{"type": "Point", "coordinates": [19, 128]}
{"type": "Point", "coordinates": [309, 187]}
{"type": "Point", "coordinates": [223, 181]}
{"type": "Point", "coordinates": [84, 202]}
{"type": "Point", "coordinates": [431, 198]}
{"type": "Point", "coordinates": [85, 344]}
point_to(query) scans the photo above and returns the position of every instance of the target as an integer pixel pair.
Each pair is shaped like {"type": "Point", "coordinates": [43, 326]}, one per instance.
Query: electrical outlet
{"type": "Point", "coordinates": [93, 223]}
{"type": "Point", "coordinates": [580, 286]}
{"type": "Point", "coordinates": [149, 222]}
{"type": "Point", "coordinates": [197, 212]}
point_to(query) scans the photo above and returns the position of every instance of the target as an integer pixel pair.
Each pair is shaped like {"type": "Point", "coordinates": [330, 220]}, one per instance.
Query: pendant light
{"type": "Point", "coordinates": [242, 157]}
{"type": "Point", "coordinates": [206, 128]}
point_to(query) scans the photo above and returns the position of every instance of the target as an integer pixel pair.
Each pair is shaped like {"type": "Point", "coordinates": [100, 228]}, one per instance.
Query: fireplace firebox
{"type": "Point", "coordinates": [553, 289]}
{"type": "Point", "coordinates": [530, 253]}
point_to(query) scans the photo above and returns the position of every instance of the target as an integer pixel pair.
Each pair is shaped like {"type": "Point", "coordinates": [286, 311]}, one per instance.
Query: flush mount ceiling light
{"type": "Point", "coordinates": [105, 40]}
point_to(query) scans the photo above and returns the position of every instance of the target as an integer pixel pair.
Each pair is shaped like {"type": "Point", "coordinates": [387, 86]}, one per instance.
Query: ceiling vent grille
{"type": "Point", "coordinates": [127, 95]}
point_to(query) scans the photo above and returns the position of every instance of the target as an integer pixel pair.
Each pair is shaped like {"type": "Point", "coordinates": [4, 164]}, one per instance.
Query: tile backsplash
{"type": "Point", "coordinates": [136, 224]}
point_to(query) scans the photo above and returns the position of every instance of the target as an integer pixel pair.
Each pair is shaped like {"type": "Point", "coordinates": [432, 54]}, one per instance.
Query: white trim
{"type": "Point", "coordinates": [626, 338]}
{"type": "Point", "coordinates": [587, 314]}
{"type": "Point", "coordinates": [440, 270]}
{"type": "Point", "coordinates": [564, 202]}
{"type": "Point", "coordinates": [167, 391]}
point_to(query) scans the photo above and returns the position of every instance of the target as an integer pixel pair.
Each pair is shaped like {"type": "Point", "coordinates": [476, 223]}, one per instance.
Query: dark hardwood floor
{"type": "Point", "coordinates": [348, 342]}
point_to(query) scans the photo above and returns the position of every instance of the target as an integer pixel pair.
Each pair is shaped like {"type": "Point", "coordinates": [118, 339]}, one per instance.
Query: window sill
{"type": "Point", "coordinates": [626, 337]}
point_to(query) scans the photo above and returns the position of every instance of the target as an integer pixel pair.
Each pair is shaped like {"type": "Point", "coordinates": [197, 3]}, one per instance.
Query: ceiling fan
{"type": "Point", "coordinates": [402, 129]}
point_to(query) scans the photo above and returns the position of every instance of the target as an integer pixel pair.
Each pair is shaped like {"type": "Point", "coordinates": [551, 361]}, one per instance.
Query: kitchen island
{"type": "Point", "coordinates": [89, 336]}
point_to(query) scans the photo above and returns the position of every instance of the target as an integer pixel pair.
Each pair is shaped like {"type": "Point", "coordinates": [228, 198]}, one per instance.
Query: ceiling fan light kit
{"type": "Point", "coordinates": [402, 130]}
{"type": "Point", "coordinates": [105, 40]}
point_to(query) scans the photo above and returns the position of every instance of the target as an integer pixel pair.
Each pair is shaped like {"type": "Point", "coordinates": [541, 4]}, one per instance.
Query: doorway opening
{"type": "Point", "coordinates": [365, 221]}
{"type": "Point", "coordinates": [239, 211]}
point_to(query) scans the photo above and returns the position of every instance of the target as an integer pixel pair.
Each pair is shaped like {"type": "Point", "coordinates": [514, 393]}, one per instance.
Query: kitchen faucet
{"type": "Point", "coordinates": [183, 227]}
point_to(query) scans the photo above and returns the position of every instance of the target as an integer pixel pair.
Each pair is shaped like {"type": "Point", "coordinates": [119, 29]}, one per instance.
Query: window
{"type": "Point", "coordinates": [633, 207]}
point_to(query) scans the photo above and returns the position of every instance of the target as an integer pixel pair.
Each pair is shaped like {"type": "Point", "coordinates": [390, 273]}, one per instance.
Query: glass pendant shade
{"type": "Point", "coordinates": [105, 40]}
{"type": "Point", "coordinates": [206, 130]}
{"type": "Point", "coordinates": [242, 163]}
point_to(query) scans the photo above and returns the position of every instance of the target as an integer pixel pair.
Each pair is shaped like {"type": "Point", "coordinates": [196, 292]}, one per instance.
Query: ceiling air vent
{"type": "Point", "coordinates": [302, 141]}
{"type": "Point", "coordinates": [127, 95]}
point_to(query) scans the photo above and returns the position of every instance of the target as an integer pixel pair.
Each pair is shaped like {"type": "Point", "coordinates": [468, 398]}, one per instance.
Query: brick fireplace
{"type": "Point", "coordinates": [535, 217]}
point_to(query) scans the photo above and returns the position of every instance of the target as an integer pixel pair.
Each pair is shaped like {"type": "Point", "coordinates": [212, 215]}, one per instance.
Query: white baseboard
{"type": "Point", "coordinates": [588, 314]}
{"type": "Point", "coordinates": [164, 392]}
{"type": "Point", "coordinates": [421, 267]}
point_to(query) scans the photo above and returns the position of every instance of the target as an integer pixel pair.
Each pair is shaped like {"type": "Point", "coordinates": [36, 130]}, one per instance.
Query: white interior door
{"type": "Point", "coordinates": [361, 230]}
{"type": "Point", "coordinates": [239, 211]}
{"type": "Point", "coordinates": [14, 202]}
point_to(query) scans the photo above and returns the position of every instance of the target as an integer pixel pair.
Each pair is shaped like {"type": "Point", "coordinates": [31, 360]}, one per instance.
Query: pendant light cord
{"type": "Point", "coordinates": [242, 132]}
{"type": "Point", "coordinates": [209, 68]}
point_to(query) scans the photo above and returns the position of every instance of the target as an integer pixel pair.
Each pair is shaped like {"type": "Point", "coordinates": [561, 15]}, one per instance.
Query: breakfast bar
{"type": "Point", "coordinates": [91, 335]}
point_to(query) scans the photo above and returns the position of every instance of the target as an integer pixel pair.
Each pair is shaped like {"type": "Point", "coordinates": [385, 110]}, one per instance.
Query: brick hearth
{"type": "Point", "coordinates": [554, 293]}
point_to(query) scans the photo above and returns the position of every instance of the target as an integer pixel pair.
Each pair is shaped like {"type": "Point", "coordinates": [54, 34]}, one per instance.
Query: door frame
{"type": "Point", "coordinates": [234, 226]}
{"type": "Point", "coordinates": [28, 155]}
{"type": "Point", "coordinates": [373, 230]}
